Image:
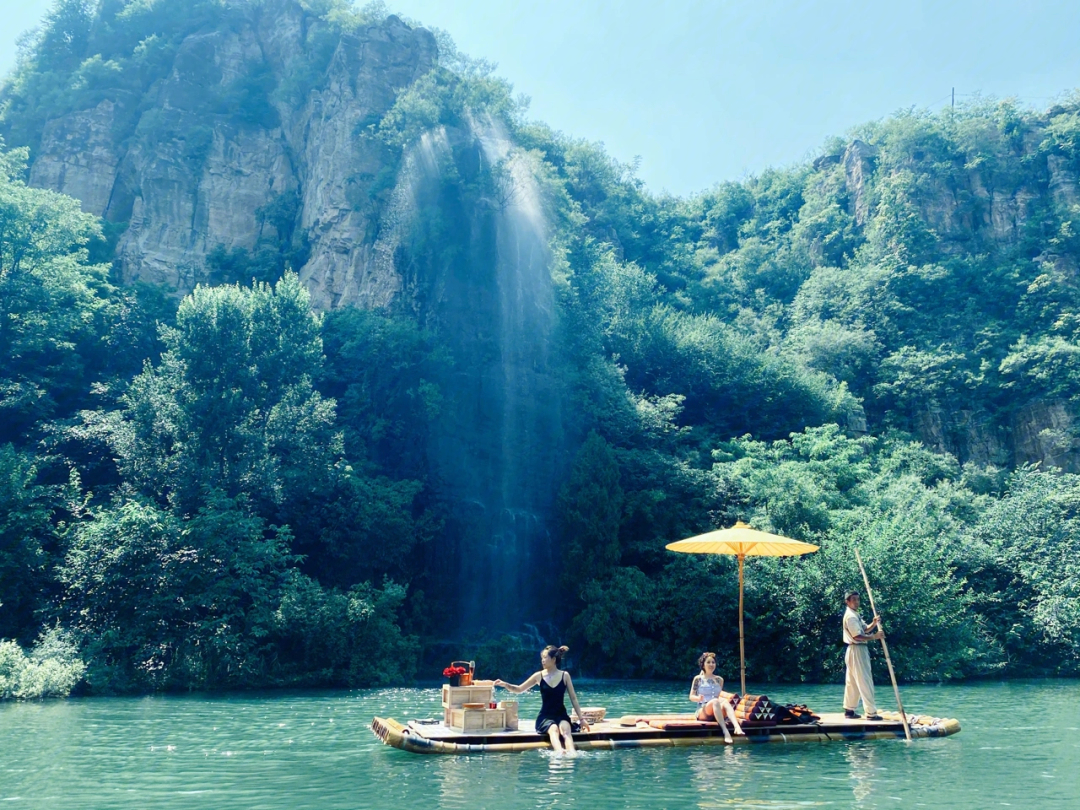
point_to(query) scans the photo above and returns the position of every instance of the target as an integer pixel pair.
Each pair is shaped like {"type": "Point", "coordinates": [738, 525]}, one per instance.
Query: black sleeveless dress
{"type": "Point", "coordinates": [552, 708]}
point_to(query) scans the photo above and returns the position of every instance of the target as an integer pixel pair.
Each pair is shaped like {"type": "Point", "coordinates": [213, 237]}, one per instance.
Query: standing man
{"type": "Point", "coordinates": [860, 680]}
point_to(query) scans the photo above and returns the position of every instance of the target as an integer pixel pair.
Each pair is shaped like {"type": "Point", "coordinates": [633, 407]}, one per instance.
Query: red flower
{"type": "Point", "coordinates": [450, 672]}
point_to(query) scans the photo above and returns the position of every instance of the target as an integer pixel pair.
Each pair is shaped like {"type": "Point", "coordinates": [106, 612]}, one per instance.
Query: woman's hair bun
{"type": "Point", "coordinates": [556, 652]}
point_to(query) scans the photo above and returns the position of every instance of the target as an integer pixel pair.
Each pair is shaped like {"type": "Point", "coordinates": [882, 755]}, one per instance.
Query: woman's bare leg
{"type": "Point", "coordinates": [717, 706]}
{"type": "Point", "coordinates": [556, 742]}
{"type": "Point", "coordinates": [730, 712]}
{"type": "Point", "coordinates": [568, 737]}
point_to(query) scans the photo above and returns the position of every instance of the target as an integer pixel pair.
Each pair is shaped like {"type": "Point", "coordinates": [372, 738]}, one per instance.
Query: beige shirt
{"type": "Point", "coordinates": [853, 626]}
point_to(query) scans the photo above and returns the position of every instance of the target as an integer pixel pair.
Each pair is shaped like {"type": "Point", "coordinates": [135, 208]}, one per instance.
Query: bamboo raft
{"type": "Point", "coordinates": [657, 730]}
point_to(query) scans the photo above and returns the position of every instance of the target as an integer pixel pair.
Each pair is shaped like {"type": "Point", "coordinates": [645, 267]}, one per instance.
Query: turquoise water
{"type": "Point", "coordinates": [1019, 747]}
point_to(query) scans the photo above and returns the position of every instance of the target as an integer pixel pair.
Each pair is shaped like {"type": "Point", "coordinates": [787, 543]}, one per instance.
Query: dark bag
{"type": "Point", "coordinates": [795, 714]}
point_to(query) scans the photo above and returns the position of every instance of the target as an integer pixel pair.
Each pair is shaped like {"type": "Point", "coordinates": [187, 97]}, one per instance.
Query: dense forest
{"type": "Point", "coordinates": [221, 485]}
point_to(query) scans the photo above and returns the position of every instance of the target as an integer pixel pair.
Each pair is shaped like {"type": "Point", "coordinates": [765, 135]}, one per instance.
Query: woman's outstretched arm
{"type": "Point", "coordinates": [528, 684]}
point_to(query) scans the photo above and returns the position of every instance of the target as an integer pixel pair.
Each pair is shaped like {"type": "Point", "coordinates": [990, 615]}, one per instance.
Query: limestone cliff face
{"type": "Point", "coordinates": [190, 176]}
{"type": "Point", "coordinates": [1040, 432]}
{"type": "Point", "coordinates": [81, 157]}
{"type": "Point", "coordinates": [858, 160]}
{"type": "Point", "coordinates": [972, 203]}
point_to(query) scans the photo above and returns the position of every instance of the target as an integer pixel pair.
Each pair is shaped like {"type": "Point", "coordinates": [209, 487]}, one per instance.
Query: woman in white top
{"type": "Point", "coordinates": [706, 689]}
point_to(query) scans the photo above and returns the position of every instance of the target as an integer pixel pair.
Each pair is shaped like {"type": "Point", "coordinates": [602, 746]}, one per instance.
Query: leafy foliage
{"type": "Point", "coordinates": [1024, 571]}
{"type": "Point", "coordinates": [51, 300]}
{"type": "Point", "coordinates": [52, 669]}
{"type": "Point", "coordinates": [27, 509]}
{"type": "Point", "coordinates": [222, 437]}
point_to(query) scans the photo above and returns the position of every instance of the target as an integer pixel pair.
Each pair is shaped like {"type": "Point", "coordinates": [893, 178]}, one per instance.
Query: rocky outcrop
{"type": "Point", "coordinates": [1041, 432]}
{"type": "Point", "coordinates": [82, 158]}
{"type": "Point", "coordinates": [364, 77]}
{"type": "Point", "coordinates": [1063, 183]}
{"type": "Point", "coordinates": [193, 171]}
{"type": "Point", "coordinates": [858, 163]}
{"type": "Point", "coordinates": [973, 202]}
{"type": "Point", "coordinates": [1044, 432]}
{"type": "Point", "coordinates": [825, 161]}
{"type": "Point", "coordinates": [969, 435]}
{"type": "Point", "coordinates": [1008, 213]}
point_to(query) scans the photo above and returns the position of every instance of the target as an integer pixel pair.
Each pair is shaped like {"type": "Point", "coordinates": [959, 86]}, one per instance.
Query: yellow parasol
{"type": "Point", "coordinates": [742, 541]}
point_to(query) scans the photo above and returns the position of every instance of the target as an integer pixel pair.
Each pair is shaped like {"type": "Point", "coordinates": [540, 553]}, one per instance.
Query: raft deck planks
{"type": "Point", "coordinates": [612, 734]}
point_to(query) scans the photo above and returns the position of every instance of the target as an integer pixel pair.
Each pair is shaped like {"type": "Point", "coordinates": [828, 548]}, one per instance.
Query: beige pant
{"type": "Point", "coordinates": [860, 680]}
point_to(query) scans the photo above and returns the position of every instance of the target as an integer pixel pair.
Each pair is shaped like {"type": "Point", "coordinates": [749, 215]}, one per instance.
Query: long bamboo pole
{"type": "Point", "coordinates": [885, 649]}
{"type": "Point", "coordinates": [742, 648]}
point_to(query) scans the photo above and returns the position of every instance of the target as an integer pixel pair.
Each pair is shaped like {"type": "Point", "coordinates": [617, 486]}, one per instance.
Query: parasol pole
{"type": "Point", "coordinates": [742, 648]}
{"type": "Point", "coordinates": [884, 648]}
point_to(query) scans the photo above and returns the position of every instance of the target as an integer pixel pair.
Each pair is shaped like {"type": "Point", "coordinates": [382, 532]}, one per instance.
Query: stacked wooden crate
{"type": "Point", "coordinates": [460, 718]}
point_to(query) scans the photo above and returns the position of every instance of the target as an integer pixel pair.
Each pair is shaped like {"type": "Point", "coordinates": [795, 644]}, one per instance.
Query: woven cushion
{"type": "Point", "coordinates": [754, 707]}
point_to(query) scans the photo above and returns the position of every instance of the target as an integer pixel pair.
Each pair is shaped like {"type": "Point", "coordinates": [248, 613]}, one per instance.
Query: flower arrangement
{"type": "Point", "coordinates": [459, 672]}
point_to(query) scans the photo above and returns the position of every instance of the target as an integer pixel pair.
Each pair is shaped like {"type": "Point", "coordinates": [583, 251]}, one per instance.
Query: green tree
{"type": "Point", "coordinates": [1025, 571]}
{"type": "Point", "coordinates": [52, 302]}
{"type": "Point", "coordinates": [163, 602]}
{"type": "Point", "coordinates": [26, 532]}
{"type": "Point", "coordinates": [231, 406]}
{"type": "Point", "coordinates": [212, 601]}
{"type": "Point", "coordinates": [381, 369]}
{"type": "Point", "coordinates": [590, 514]}
{"type": "Point", "coordinates": [52, 669]}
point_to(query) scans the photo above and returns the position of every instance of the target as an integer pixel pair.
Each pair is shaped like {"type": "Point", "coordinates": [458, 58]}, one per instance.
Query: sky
{"type": "Point", "coordinates": [703, 92]}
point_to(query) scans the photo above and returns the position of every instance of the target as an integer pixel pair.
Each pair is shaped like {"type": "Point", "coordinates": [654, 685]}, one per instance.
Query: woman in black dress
{"type": "Point", "coordinates": [554, 683]}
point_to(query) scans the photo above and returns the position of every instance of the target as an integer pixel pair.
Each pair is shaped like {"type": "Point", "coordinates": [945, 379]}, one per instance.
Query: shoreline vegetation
{"type": "Point", "coordinates": [876, 349]}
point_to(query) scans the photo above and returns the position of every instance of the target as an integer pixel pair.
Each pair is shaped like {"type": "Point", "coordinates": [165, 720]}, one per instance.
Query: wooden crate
{"type": "Point", "coordinates": [454, 696]}
{"type": "Point", "coordinates": [478, 719]}
{"type": "Point", "coordinates": [511, 709]}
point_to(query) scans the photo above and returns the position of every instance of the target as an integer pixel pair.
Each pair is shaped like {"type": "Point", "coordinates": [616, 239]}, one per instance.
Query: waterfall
{"type": "Point", "coordinates": [521, 564]}
{"type": "Point", "coordinates": [479, 267]}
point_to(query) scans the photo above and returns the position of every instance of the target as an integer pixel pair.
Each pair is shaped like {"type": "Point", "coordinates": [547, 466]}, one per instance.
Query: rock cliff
{"type": "Point", "coordinates": [192, 165]}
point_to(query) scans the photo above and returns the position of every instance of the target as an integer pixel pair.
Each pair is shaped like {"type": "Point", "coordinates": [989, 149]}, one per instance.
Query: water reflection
{"type": "Point", "coordinates": [862, 761]}
{"type": "Point", "coordinates": [718, 774]}
{"type": "Point", "coordinates": [559, 764]}
{"type": "Point", "coordinates": [465, 781]}
{"type": "Point", "coordinates": [558, 787]}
